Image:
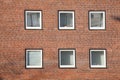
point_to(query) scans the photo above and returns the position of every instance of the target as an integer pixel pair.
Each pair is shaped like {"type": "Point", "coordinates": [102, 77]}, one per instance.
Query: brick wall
{"type": "Point", "coordinates": [14, 39]}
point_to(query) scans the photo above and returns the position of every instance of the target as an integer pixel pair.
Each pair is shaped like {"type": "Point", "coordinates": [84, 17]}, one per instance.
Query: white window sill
{"type": "Point", "coordinates": [33, 28]}
{"type": "Point", "coordinates": [98, 66]}
{"type": "Point", "coordinates": [66, 27]}
{"type": "Point", "coordinates": [67, 66]}
{"type": "Point", "coordinates": [97, 27]}
{"type": "Point", "coordinates": [33, 66]}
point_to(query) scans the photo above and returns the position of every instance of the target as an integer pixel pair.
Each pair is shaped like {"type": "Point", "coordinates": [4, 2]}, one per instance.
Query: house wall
{"type": "Point", "coordinates": [14, 39]}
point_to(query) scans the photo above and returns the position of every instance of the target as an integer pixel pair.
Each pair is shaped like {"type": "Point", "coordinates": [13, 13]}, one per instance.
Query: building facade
{"type": "Point", "coordinates": [59, 39]}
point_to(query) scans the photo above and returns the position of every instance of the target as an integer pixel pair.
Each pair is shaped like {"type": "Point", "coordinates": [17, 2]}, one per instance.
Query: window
{"type": "Point", "coordinates": [97, 20]}
{"type": "Point", "coordinates": [33, 20]}
{"type": "Point", "coordinates": [34, 58]}
{"type": "Point", "coordinates": [66, 19]}
{"type": "Point", "coordinates": [98, 58]}
{"type": "Point", "coordinates": [67, 58]}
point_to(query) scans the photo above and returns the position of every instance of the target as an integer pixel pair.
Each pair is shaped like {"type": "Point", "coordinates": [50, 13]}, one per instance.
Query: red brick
{"type": "Point", "coordinates": [14, 39]}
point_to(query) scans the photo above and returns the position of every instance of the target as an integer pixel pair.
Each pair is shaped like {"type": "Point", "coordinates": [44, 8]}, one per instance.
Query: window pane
{"type": "Point", "coordinates": [29, 20]}
{"type": "Point", "coordinates": [67, 58]}
{"type": "Point", "coordinates": [97, 57]}
{"type": "Point", "coordinates": [33, 19]}
{"type": "Point", "coordinates": [96, 19]}
{"type": "Point", "coordinates": [34, 58]}
{"type": "Point", "coordinates": [66, 20]}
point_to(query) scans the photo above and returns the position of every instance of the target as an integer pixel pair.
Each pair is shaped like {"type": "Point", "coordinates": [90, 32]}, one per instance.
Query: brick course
{"type": "Point", "coordinates": [14, 39]}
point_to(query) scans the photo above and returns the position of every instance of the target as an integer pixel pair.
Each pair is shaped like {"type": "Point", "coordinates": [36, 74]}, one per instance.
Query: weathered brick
{"type": "Point", "coordinates": [14, 39]}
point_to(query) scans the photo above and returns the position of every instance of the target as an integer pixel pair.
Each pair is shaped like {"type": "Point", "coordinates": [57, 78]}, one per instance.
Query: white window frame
{"type": "Point", "coordinates": [99, 28]}
{"type": "Point", "coordinates": [29, 66]}
{"type": "Point", "coordinates": [98, 66]}
{"type": "Point", "coordinates": [66, 66]}
{"type": "Point", "coordinates": [73, 27]}
{"type": "Point", "coordinates": [28, 27]}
